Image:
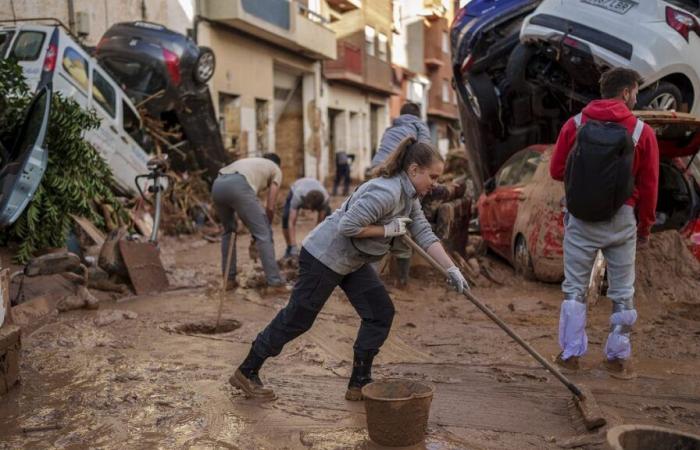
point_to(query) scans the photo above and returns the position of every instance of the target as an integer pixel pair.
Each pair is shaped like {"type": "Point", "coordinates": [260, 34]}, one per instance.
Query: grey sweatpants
{"type": "Point", "coordinates": [617, 238]}
{"type": "Point", "coordinates": [233, 195]}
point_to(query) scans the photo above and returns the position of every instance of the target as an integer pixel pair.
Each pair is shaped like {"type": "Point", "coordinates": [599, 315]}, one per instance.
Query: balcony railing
{"type": "Point", "coordinates": [286, 23]}
{"type": "Point", "coordinates": [353, 65]}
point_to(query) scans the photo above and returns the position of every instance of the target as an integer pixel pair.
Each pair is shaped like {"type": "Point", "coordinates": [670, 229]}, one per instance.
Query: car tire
{"type": "Point", "coordinates": [205, 65]}
{"type": "Point", "coordinates": [595, 284]}
{"type": "Point", "coordinates": [662, 96]}
{"type": "Point", "coordinates": [481, 97]}
{"type": "Point", "coordinates": [522, 259]}
{"type": "Point", "coordinates": [516, 68]}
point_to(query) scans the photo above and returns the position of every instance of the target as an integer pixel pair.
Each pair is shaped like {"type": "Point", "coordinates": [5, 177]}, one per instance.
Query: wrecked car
{"type": "Point", "coordinates": [548, 69]}
{"type": "Point", "coordinates": [49, 51]}
{"type": "Point", "coordinates": [567, 48]}
{"type": "Point", "coordinates": [483, 35]}
{"type": "Point", "coordinates": [168, 73]}
{"type": "Point", "coordinates": [521, 210]}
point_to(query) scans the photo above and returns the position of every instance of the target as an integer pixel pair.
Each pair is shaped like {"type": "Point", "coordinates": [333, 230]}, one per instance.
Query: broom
{"type": "Point", "coordinates": [583, 397]}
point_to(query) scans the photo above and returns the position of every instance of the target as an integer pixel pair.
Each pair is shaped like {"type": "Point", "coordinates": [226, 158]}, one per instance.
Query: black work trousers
{"type": "Point", "coordinates": [315, 284]}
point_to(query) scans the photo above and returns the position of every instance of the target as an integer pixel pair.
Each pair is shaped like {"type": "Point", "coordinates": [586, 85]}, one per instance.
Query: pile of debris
{"type": "Point", "coordinates": [667, 272]}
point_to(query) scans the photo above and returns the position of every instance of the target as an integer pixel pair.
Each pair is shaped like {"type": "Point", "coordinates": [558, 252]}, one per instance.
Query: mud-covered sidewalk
{"type": "Point", "coordinates": [141, 373]}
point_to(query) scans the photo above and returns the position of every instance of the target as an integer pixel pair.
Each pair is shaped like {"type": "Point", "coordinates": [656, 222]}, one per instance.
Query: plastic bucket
{"type": "Point", "coordinates": [397, 411]}
{"type": "Point", "coordinates": [639, 437]}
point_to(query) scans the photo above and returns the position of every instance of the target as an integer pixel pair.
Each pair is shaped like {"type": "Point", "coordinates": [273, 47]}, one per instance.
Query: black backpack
{"type": "Point", "coordinates": [598, 177]}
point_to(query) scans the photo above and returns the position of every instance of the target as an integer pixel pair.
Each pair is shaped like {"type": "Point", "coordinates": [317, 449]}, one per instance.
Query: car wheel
{"type": "Point", "coordinates": [516, 67]}
{"type": "Point", "coordinates": [595, 284]}
{"type": "Point", "coordinates": [522, 260]}
{"type": "Point", "coordinates": [664, 96]}
{"type": "Point", "coordinates": [481, 96]}
{"type": "Point", "coordinates": [204, 67]}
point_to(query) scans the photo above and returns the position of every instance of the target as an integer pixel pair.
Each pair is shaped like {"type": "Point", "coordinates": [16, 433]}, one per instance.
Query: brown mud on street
{"type": "Point", "coordinates": [146, 372]}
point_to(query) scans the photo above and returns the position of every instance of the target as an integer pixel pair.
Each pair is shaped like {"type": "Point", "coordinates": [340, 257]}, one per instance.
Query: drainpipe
{"type": "Point", "coordinates": [71, 16]}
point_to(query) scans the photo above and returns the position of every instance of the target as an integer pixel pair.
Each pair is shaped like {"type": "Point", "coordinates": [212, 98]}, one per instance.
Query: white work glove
{"type": "Point", "coordinates": [456, 279]}
{"type": "Point", "coordinates": [396, 227]}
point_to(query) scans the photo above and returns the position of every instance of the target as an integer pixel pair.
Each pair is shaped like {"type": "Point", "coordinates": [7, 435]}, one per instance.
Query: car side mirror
{"type": "Point", "coordinates": [489, 185]}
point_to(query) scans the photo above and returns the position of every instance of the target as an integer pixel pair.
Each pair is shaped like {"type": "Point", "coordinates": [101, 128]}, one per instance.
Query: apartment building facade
{"type": "Point", "coordinates": [267, 86]}
{"type": "Point", "coordinates": [359, 80]}
{"type": "Point", "coordinates": [421, 63]}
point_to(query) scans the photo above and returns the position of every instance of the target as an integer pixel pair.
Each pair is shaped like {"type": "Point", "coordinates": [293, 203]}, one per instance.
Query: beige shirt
{"type": "Point", "coordinates": [258, 172]}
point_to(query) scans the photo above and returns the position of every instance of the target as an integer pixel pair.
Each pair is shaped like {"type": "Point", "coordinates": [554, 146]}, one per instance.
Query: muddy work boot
{"type": "Point", "coordinates": [246, 377]}
{"type": "Point", "coordinates": [571, 363]}
{"type": "Point", "coordinates": [619, 368]}
{"type": "Point", "coordinates": [404, 268]}
{"type": "Point", "coordinates": [361, 375]}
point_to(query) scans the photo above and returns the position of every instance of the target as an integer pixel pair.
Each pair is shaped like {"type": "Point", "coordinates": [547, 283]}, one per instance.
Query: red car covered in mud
{"type": "Point", "coordinates": [521, 210]}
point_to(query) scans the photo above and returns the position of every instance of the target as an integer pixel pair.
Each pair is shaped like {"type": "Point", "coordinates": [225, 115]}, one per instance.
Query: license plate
{"type": "Point", "coordinates": [617, 6]}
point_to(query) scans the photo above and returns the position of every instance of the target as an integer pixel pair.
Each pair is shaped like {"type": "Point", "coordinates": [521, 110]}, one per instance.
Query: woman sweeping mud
{"type": "Point", "coordinates": [338, 252]}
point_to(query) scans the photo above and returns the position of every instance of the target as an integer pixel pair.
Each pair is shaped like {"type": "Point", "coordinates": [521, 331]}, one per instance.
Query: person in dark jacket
{"type": "Point", "coordinates": [618, 237]}
{"type": "Point", "coordinates": [407, 125]}
{"type": "Point", "coordinates": [338, 253]}
{"type": "Point", "coordinates": [342, 171]}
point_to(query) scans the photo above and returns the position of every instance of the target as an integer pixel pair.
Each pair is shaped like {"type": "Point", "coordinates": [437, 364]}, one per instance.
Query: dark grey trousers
{"type": "Point", "coordinates": [233, 195]}
{"type": "Point", "coordinates": [313, 287]}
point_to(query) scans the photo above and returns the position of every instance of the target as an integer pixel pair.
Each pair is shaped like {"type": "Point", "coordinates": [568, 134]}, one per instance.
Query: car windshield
{"type": "Point", "coordinates": [5, 39]}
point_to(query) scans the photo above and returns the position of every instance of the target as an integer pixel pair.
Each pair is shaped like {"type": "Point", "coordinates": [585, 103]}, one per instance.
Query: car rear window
{"type": "Point", "coordinates": [136, 77]}
{"type": "Point", "coordinates": [103, 93]}
{"type": "Point", "coordinates": [77, 67]}
{"type": "Point", "coordinates": [28, 45]}
{"type": "Point", "coordinates": [692, 6]}
{"type": "Point", "coordinates": [5, 39]}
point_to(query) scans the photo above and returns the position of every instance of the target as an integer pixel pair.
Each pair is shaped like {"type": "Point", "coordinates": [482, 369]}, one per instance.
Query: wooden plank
{"type": "Point", "coordinates": [90, 229]}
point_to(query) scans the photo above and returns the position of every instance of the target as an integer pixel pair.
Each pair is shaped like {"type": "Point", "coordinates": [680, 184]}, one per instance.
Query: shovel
{"type": "Point", "coordinates": [583, 398]}
{"type": "Point", "coordinates": [142, 259]}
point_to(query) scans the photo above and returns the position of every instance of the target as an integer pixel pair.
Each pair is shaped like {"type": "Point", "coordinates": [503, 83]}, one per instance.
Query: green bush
{"type": "Point", "coordinates": [76, 178]}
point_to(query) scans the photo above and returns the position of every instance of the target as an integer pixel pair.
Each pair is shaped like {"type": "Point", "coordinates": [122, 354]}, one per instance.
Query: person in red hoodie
{"type": "Point", "coordinates": [618, 237]}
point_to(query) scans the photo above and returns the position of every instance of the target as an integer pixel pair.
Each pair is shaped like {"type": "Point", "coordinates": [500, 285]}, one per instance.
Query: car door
{"type": "Point", "coordinates": [131, 156]}
{"type": "Point", "coordinates": [507, 196]}
{"type": "Point", "coordinates": [28, 49]}
{"type": "Point", "coordinates": [24, 164]}
{"type": "Point", "coordinates": [103, 99]}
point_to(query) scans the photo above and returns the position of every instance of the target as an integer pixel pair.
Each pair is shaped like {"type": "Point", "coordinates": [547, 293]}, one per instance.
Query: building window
{"type": "Point", "coordinates": [369, 40]}
{"type": "Point", "coordinates": [382, 48]}
{"type": "Point", "coordinates": [445, 42]}
{"type": "Point", "coordinates": [445, 91]}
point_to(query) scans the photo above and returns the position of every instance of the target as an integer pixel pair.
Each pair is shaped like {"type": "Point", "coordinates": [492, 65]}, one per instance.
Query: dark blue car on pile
{"type": "Point", "coordinates": [483, 36]}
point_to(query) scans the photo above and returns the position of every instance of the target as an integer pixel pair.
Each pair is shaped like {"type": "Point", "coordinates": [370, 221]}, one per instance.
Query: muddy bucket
{"type": "Point", "coordinates": [638, 437]}
{"type": "Point", "coordinates": [397, 411]}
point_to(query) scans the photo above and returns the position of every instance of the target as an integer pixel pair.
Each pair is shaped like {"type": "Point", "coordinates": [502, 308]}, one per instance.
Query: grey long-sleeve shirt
{"type": "Point", "coordinates": [377, 202]}
{"type": "Point", "coordinates": [406, 125]}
